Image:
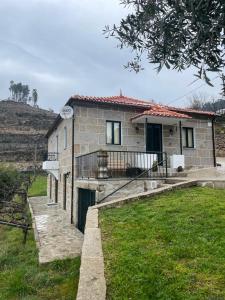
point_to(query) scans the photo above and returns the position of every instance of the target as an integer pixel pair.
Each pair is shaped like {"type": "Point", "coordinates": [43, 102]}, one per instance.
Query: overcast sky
{"type": "Point", "coordinates": [57, 47]}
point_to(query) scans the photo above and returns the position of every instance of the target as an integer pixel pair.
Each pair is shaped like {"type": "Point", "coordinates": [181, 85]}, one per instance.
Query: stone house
{"type": "Point", "coordinates": [111, 140]}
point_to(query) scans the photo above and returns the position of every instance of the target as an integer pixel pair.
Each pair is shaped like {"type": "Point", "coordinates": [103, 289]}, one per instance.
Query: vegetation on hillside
{"type": "Point", "coordinates": [20, 93]}
{"type": "Point", "coordinates": [167, 247]}
{"type": "Point", "coordinates": [201, 102]}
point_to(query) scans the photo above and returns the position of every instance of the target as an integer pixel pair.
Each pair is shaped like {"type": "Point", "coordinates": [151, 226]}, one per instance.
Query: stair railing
{"type": "Point", "coordinates": [138, 176]}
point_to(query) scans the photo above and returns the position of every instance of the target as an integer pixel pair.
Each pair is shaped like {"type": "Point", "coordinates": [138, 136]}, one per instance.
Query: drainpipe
{"type": "Point", "coordinates": [181, 141]}
{"type": "Point", "coordinates": [72, 183]}
{"type": "Point", "coordinates": [146, 122]}
{"type": "Point", "coordinates": [213, 140]}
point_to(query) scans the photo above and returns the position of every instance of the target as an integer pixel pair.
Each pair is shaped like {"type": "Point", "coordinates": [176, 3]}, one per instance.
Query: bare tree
{"type": "Point", "coordinates": [197, 101]}
{"type": "Point", "coordinates": [202, 102]}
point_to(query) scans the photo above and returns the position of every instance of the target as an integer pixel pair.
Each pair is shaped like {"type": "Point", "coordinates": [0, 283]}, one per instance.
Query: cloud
{"type": "Point", "coordinates": [57, 46]}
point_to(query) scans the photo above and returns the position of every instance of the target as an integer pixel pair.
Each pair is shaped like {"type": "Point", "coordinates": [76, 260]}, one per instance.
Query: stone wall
{"type": "Point", "coordinates": [90, 133]}
{"type": "Point", "coordinates": [202, 153]}
{"type": "Point", "coordinates": [220, 144]}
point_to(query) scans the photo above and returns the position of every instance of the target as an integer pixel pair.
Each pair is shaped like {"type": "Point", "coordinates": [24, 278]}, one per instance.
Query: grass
{"type": "Point", "coordinates": [39, 187]}
{"type": "Point", "coordinates": [171, 247]}
{"type": "Point", "coordinates": [22, 278]}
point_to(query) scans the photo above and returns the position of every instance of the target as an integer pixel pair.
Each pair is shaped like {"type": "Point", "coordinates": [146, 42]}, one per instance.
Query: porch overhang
{"type": "Point", "coordinates": [157, 120]}
{"type": "Point", "coordinates": [160, 116]}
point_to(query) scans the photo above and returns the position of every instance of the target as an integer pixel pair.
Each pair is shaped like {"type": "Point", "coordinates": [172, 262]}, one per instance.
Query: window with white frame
{"type": "Point", "coordinates": [65, 137]}
{"type": "Point", "coordinates": [113, 132]}
{"type": "Point", "coordinates": [188, 137]}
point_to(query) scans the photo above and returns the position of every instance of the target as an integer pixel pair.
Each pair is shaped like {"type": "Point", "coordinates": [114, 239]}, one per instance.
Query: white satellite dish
{"type": "Point", "coordinates": [66, 112]}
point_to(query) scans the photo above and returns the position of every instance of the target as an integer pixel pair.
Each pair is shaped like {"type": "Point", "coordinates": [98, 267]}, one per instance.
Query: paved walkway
{"type": "Point", "coordinates": [55, 237]}
{"type": "Point", "coordinates": [217, 173]}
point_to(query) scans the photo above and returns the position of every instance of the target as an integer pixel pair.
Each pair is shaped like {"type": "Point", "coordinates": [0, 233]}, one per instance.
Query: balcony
{"type": "Point", "coordinates": [122, 164]}
{"type": "Point", "coordinates": [51, 164]}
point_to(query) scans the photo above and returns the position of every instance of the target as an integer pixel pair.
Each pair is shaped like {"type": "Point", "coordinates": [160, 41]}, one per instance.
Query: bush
{"type": "Point", "coordinates": [10, 180]}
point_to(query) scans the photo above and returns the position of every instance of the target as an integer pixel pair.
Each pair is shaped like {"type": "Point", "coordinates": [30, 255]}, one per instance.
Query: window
{"type": "Point", "coordinates": [113, 132]}
{"type": "Point", "coordinates": [188, 137]}
{"type": "Point", "coordinates": [65, 137]}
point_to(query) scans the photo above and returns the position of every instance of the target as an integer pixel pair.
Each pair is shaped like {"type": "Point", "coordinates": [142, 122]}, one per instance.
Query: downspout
{"type": "Point", "coordinates": [146, 122]}
{"type": "Point", "coordinates": [213, 140]}
{"type": "Point", "coordinates": [72, 183]}
{"type": "Point", "coordinates": [181, 140]}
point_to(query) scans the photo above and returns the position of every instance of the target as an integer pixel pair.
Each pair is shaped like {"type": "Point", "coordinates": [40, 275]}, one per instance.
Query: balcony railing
{"type": "Point", "coordinates": [51, 156]}
{"type": "Point", "coordinates": [122, 164]}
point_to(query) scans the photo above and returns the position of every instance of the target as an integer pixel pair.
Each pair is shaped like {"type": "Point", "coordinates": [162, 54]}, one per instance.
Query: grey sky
{"type": "Point", "coordinates": [57, 46]}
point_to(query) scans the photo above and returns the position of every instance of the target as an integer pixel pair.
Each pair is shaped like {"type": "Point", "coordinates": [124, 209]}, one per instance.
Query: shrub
{"type": "Point", "coordinates": [9, 181]}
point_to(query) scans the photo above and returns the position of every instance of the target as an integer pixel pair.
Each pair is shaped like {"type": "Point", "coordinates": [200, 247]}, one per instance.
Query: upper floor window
{"type": "Point", "coordinates": [188, 137]}
{"type": "Point", "coordinates": [65, 137]}
{"type": "Point", "coordinates": [113, 132]}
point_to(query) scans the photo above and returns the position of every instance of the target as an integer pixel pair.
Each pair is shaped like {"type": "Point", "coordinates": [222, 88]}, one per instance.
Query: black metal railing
{"type": "Point", "coordinates": [51, 156]}
{"type": "Point", "coordinates": [159, 163]}
{"type": "Point", "coordinates": [122, 164]}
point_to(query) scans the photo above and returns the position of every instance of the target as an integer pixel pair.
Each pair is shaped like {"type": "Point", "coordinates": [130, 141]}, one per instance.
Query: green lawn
{"type": "Point", "coordinates": [21, 277]}
{"type": "Point", "coordinates": [171, 247]}
{"type": "Point", "coordinates": [39, 186]}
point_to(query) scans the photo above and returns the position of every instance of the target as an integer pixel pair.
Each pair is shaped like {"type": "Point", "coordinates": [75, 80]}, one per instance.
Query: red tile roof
{"type": "Point", "coordinates": [189, 110]}
{"type": "Point", "coordinates": [129, 101]}
{"type": "Point", "coordinates": [149, 107]}
{"type": "Point", "coordinates": [160, 111]}
{"type": "Point", "coordinates": [121, 100]}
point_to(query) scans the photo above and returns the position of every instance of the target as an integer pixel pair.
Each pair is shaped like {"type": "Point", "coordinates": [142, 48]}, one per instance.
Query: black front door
{"type": "Point", "coordinates": [154, 139]}
{"type": "Point", "coordinates": [86, 198]}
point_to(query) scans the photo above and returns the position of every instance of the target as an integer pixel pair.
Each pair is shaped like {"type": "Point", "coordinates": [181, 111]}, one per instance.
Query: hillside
{"type": "Point", "coordinates": [22, 129]}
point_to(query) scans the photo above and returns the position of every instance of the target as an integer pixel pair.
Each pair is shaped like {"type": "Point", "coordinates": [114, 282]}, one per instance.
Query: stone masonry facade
{"type": "Point", "coordinates": [90, 135]}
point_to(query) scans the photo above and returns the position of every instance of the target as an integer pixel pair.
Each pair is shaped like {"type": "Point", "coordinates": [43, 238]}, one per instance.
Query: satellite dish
{"type": "Point", "coordinates": [66, 112]}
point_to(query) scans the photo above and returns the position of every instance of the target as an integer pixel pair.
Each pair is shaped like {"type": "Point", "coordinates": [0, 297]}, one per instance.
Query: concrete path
{"type": "Point", "coordinates": [217, 173]}
{"type": "Point", "coordinates": [55, 237]}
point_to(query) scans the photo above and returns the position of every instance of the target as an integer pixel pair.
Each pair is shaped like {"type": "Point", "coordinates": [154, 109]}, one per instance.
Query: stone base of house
{"type": "Point", "coordinates": [103, 188]}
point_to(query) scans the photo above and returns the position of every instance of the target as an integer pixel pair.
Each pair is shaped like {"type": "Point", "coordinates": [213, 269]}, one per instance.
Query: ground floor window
{"type": "Point", "coordinates": [188, 137]}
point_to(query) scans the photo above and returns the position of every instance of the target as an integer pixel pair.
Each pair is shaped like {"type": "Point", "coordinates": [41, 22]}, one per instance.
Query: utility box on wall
{"type": "Point", "coordinates": [176, 161]}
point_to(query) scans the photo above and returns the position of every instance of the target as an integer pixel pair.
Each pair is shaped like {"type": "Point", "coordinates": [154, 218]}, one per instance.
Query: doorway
{"type": "Point", "coordinates": [86, 198]}
{"type": "Point", "coordinates": [154, 139]}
